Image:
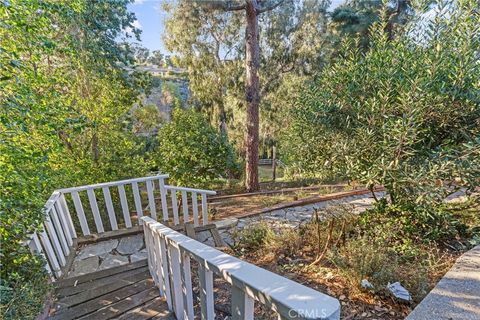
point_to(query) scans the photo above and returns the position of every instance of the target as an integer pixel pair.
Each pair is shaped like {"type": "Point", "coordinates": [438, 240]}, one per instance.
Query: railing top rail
{"type": "Point", "coordinates": [210, 192]}
{"type": "Point", "coordinates": [112, 183]}
{"type": "Point", "coordinates": [282, 295]}
{"type": "Point", "coordinates": [51, 201]}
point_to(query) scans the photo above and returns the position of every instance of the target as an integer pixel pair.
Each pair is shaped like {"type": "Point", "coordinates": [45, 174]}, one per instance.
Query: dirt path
{"type": "Point", "coordinates": [229, 206]}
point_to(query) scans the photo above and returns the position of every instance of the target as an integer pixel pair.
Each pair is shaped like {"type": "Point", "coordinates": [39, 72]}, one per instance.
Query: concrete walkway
{"type": "Point", "coordinates": [457, 295]}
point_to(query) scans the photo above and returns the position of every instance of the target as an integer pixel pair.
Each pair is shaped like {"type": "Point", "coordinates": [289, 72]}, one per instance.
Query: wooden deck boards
{"type": "Point", "coordinates": [125, 292]}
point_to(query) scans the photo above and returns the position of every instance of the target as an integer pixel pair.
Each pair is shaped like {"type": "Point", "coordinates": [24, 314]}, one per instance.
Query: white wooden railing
{"type": "Point", "coordinates": [67, 215]}
{"type": "Point", "coordinates": [169, 255]}
{"type": "Point", "coordinates": [56, 238]}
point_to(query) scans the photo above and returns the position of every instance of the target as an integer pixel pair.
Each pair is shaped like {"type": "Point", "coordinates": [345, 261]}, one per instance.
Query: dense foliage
{"type": "Point", "coordinates": [193, 152]}
{"type": "Point", "coordinates": [405, 114]}
{"type": "Point", "coordinates": [65, 100]}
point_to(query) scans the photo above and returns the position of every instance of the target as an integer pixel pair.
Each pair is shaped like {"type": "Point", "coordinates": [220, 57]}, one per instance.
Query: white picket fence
{"type": "Point", "coordinates": [64, 222]}
{"type": "Point", "coordinates": [169, 261]}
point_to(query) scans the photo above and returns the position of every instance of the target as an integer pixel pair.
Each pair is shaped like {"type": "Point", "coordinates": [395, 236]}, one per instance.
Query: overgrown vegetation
{"type": "Point", "coordinates": [65, 99]}
{"type": "Point", "coordinates": [393, 99]}
{"type": "Point", "coordinates": [346, 248]}
{"type": "Point", "coordinates": [193, 152]}
{"type": "Point", "coordinates": [405, 114]}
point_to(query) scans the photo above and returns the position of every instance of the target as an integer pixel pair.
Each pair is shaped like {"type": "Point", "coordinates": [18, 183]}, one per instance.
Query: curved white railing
{"type": "Point", "coordinates": [56, 238]}
{"type": "Point", "coordinates": [67, 215]}
{"type": "Point", "coordinates": [169, 255]}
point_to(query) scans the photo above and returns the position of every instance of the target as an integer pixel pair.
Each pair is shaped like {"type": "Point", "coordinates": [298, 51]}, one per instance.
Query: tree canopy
{"type": "Point", "coordinates": [66, 95]}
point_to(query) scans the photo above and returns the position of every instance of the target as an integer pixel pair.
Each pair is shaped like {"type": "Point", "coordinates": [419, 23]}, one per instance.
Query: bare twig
{"type": "Point", "coordinates": [331, 225]}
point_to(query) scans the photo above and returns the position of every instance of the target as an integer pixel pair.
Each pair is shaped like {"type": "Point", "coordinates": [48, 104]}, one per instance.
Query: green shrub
{"type": "Point", "coordinates": [64, 121]}
{"type": "Point", "coordinates": [192, 151]}
{"type": "Point", "coordinates": [254, 236]}
{"type": "Point", "coordinates": [405, 114]}
{"type": "Point", "coordinates": [23, 299]}
{"type": "Point", "coordinates": [414, 222]}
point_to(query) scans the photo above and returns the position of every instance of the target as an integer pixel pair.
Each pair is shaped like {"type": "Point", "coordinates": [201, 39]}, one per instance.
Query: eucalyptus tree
{"type": "Point", "coordinates": [206, 43]}
{"type": "Point", "coordinates": [157, 58]}
{"type": "Point", "coordinates": [355, 17]}
{"type": "Point", "coordinates": [141, 54]}
{"type": "Point", "coordinates": [295, 45]}
{"type": "Point", "coordinates": [281, 37]}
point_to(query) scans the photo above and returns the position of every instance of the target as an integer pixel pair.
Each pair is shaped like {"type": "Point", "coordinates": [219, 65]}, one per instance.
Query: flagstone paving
{"type": "Point", "coordinates": [108, 254]}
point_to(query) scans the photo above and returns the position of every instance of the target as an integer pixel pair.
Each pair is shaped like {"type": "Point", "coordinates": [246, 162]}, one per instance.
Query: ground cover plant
{"type": "Point", "coordinates": [336, 251]}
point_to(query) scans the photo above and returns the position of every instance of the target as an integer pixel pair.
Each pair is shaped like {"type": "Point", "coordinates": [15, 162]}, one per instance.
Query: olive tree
{"type": "Point", "coordinates": [405, 114]}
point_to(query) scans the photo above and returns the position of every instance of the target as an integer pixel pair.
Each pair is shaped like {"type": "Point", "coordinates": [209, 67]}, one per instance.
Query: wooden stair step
{"type": "Point", "coordinates": [102, 301]}
{"type": "Point", "coordinates": [124, 305]}
{"type": "Point", "coordinates": [68, 282]}
{"type": "Point", "coordinates": [104, 289]}
{"type": "Point", "coordinates": [90, 285]}
{"type": "Point", "coordinates": [154, 309]}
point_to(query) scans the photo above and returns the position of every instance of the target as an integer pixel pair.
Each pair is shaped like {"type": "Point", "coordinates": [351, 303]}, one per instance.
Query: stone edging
{"type": "Point", "coordinates": [266, 192]}
{"type": "Point", "coordinates": [457, 295]}
{"type": "Point", "coordinates": [305, 201]}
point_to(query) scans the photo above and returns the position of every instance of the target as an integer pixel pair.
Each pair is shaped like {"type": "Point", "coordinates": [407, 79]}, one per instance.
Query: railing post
{"type": "Point", "coordinates": [55, 240]}
{"type": "Point", "coordinates": [36, 247]}
{"type": "Point", "coordinates": [124, 204]}
{"type": "Point", "coordinates": [163, 198]}
{"type": "Point", "coordinates": [55, 266]}
{"type": "Point", "coordinates": [195, 209]}
{"type": "Point", "coordinates": [96, 213]}
{"type": "Point", "coordinates": [174, 259]}
{"type": "Point", "coordinates": [185, 206]}
{"type": "Point", "coordinates": [187, 286]}
{"type": "Point", "coordinates": [59, 230]}
{"type": "Point", "coordinates": [204, 209]}
{"type": "Point", "coordinates": [159, 262]}
{"type": "Point", "coordinates": [110, 209]}
{"type": "Point", "coordinates": [80, 213]}
{"type": "Point", "coordinates": [206, 292]}
{"type": "Point", "coordinates": [63, 221]}
{"type": "Point", "coordinates": [242, 305]}
{"type": "Point", "coordinates": [138, 201]}
{"type": "Point", "coordinates": [63, 204]}
{"type": "Point", "coordinates": [175, 207]}
{"type": "Point", "coordinates": [165, 267]}
{"type": "Point", "coordinates": [147, 235]}
{"type": "Point", "coordinates": [151, 199]}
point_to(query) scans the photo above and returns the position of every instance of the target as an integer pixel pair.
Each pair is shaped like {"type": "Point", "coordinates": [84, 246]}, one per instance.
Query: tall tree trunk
{"type": "Point", "coordinates": [223, 121]}
{"type": "Point", "coordinates": [252, 91]}
{"type": "Point", "coordinates": [222, 116]}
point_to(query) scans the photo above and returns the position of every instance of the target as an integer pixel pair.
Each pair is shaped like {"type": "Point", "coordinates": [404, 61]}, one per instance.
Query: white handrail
{"type": "Point", "coordinates": [169, 254]}
{"type": "Point", "coordinates": [209, 192]}
{"type": "Point", "coordinates": [112, 183]}
{"type": "Point", "coordinates": [55, 240]}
